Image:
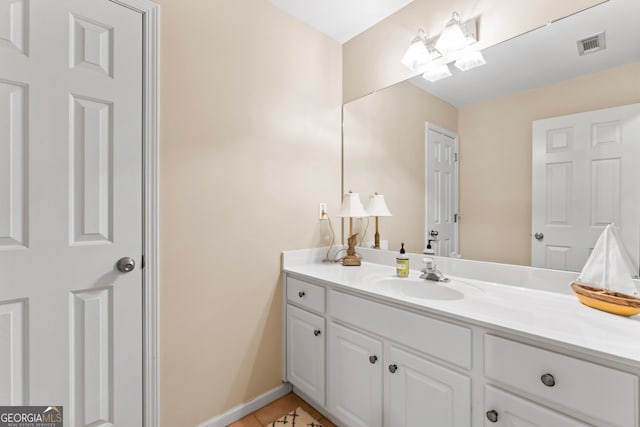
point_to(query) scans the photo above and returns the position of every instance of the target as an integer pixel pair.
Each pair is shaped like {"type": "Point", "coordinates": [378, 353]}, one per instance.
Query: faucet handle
{"type": "Point", "coordinates": [430, 263]}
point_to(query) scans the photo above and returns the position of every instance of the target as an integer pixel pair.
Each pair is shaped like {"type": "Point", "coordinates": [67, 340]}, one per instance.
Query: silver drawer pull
{"type": "Point", "coordinates": [317, 332]}
{"type": "Point", "coordinates": [548, 380]}
{"type": "Point", "coordinates": [301, 294]}
{"type": "Point", "coordinates": [373, 359]}
{"type": "Point", "coordinates": [492, 416]}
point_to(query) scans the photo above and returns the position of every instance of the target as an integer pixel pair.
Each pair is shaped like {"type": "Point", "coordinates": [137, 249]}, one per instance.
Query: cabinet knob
{"type": "Point", "coordinates": [301, 294]}
{"type": "Point", "coordinates": [373, 359]}
{"type": "Point", "coordinates": [492, 416]}
{"type": "Point", "coordinates": [317, 332]}
{"type": "Point", "coordinates": [548, 380]}
{"type": "Point", "coordinates": [393, 368]}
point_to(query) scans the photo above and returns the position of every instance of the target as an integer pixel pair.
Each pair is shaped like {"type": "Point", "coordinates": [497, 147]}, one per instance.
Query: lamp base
{"type": "Point", "coordinates": [351, 260]}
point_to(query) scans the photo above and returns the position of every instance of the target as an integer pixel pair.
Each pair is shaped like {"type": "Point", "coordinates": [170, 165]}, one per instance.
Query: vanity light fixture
{"type": "Point", "coordinates": [437, 73]}
{"type": "Point", "coordinates": [451, 44]}
{"type": "Point", "coordinates": [351, 208]}
{"type": "Point", "coordinates": [470, 60]}
{"type": "Point", "coordinates": [377, 207]}
{"type": "Point", "coordinates": [418, 53]}
{"type": "Point", "coordinates": [453, 38]}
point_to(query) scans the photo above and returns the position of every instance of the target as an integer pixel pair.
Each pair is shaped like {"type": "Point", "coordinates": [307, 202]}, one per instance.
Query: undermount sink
{"type": "Point", "coordinates": [419, 288]}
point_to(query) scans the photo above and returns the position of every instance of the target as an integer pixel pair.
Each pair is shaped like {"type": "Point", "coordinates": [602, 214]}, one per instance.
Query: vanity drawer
{"type": "Point", "coordinates": [603, 393]}
{"type": "Point", "coordinates": [305, 294]}
{"type": "Point", "coordinates": [446, 341]}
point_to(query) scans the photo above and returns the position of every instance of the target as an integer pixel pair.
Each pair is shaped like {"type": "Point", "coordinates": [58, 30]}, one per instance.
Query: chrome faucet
{"type": "Point", "coordinates": [431, 272]}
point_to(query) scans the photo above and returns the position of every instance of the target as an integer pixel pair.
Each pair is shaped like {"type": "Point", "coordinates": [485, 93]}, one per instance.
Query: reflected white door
{"type": "Point", "coordinates": [585, 175]}
{"type": "Point", "coordinates": [70, 207]}
{"type": "Point", "coordinates": [442, 190]}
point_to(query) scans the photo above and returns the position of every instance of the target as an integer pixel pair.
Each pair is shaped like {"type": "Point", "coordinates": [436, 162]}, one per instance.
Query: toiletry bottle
{"type": "Point", "coordinates": [429, 250]}
{"type": "Point", "coordinates": [402, 263]}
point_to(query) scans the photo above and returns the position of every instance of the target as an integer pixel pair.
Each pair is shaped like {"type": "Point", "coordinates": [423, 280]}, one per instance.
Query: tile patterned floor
{"type": "Point", "coordinates": [268, 414]}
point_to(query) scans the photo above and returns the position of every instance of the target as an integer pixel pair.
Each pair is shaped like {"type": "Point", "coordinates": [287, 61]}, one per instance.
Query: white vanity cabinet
{"type": "Point", "coordinates": [305, 337]}
{"type": "Point", "coordinates": [605, 395]}
{"type": "Point", "coordinates": [508, 410]}
{"type": "Point", "coordinates": [354, 368]}
{"type": "Point", "coordinates": [375, 361]}
{"type": "Point", "coordinates": [423, 393]}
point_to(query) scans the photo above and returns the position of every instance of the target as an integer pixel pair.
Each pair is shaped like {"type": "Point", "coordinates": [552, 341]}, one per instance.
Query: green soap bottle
{"type": "Point", "coordinates": [402, 263]}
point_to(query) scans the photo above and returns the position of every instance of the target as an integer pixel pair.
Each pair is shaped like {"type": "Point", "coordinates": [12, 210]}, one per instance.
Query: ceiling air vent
{"type": "Point", "coordinates": [591, 44]}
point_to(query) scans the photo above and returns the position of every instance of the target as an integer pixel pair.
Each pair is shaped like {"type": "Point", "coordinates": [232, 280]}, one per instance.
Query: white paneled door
{"type": "Point", "coordinates": [441, 191]}
{"type": "Point", "coordinates": [70, 208]}
{"type": "Point", "coordinates": [585, 175]}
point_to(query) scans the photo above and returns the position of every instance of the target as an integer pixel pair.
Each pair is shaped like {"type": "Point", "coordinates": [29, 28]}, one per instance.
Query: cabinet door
{"type": "Point", "coordinates": [305, 352]}
{"type": "Point", "coordinates": [422, 393]}
{"type": "Point", "coordinates": [355, 377]}
{"type": "Point", "coordinates": [506, 410]}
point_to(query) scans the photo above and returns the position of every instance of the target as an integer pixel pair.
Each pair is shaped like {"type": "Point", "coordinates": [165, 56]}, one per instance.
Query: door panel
{"type": "Point", "coordinates": [513, 411]}
{"type": "Point", "coordinates": [442, 191]}
{"type": "Point", "coordinates": [70, 207]}
{"type": "Point", "coordinates": [13, 165]}
{"type": "Point", "coordinates": [355, 383]}
{"type": "Point", "coordinates": [13, 354]}
{"type": "Point", "coordinates": [583, 178]}
{"type": "Point", "coordinates": [305, 357]}
{"type": "Point", "coordinates": [423, 393]}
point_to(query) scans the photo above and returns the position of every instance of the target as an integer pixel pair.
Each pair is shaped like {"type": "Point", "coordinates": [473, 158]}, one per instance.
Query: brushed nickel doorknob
{"type": "Point", "coordinates": [126, 264]}
{"type": "Point", "coordinates": [539, 236]}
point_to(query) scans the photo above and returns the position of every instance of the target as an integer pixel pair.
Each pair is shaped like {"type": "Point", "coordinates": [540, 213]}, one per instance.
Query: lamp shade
{"type": "Point", "coordinates": [470, 60]}
{"type": "Point", "coordinates": [437, 73]}
{"type": "Point", "coordinates": [418, 53]}
{"type": "Point", "coordinates": [452, 38]}
{"type": "Point", "coordinates": [351, 206]}
{"type": "Point", "coordinates": [377, 206]}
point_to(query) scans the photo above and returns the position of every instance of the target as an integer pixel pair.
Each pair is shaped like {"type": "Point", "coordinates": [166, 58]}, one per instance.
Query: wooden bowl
{"type": "Point", "coordinates": [609, 301]}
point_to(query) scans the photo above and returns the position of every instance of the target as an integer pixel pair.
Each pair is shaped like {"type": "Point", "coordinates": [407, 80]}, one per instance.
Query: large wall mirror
{"type": "Point", "coordinates": [490, 112]}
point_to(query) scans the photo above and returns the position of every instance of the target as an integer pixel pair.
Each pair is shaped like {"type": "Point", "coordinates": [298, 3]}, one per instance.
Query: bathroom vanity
{"type": "Point", "coordinates": [371, 350]}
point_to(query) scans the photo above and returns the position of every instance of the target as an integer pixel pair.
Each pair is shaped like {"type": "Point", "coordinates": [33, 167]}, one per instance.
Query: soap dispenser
{"type": "Point", "coordinates": [402, 263]}
{"type": "Point", "coordinates": [429, 250]}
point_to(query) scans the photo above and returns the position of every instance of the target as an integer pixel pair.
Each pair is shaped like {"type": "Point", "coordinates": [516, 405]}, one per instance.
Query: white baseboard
{"type": "Point", "coordinates": [244, 409]}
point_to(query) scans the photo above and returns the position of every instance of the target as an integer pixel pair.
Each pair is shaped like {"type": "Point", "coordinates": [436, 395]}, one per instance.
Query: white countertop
{"type": "Point", "coordinates": [547, 315]}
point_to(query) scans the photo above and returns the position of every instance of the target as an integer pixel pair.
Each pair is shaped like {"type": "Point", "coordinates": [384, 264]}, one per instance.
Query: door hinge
{"type": "Point", "coordinates": [142, 261]}
{"type": "Point", "coordinates": [455, 217]}
{"type": "Point", "coordinates": [455, 157]}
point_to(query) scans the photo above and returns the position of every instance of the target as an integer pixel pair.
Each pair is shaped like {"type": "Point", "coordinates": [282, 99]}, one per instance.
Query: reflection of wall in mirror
{"type": "Point", "coordinates": [384, 152]}
{"type": "Point", "coordinates": [495, 158]}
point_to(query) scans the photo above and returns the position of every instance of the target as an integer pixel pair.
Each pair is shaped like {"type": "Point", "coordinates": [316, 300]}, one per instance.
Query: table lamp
{"type": "Point", "coordinates": [377, 207]}
{"type": "Point", "coordinates": [351, 208]}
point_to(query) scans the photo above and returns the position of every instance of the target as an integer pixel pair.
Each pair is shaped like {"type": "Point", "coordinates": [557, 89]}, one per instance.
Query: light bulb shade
{"type": "Point", "coordinates": [437, 73]}
{"type": "Point", "coordinates": [351, 206]}
{"type": "Point", "coordinates": [470, 60]}
{"type": "Point", "coordinates": [453, 37]}
{"type": "Point", "coordinates": [418, 53]}
{"type": "Point", "coordinates": [377, 206]}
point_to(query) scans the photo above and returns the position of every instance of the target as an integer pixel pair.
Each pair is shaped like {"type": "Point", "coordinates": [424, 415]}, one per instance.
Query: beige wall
{"type": "Point", "coordinates": [250, 144]}
{"type": "Point", "coordinates": [371, 60]}
{"type": "Point", "coordinates": [495, 158]}
{"type": "Point", "coordinates": [384, 144]}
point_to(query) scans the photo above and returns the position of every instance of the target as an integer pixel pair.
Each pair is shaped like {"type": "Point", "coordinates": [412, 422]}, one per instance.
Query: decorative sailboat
{"type": "Point", "coordinates": [606, 281]}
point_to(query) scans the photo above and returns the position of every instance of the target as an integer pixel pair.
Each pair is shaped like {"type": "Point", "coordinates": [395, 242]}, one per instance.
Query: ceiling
{"type": "Point", "coordinates": [341, 19]}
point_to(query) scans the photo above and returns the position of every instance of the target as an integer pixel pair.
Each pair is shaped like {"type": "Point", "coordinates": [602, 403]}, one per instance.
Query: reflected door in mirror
{"type": "Point", "coordinates": [442, 191]}
{"type": "Point", "coordinates": [584, 176]}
